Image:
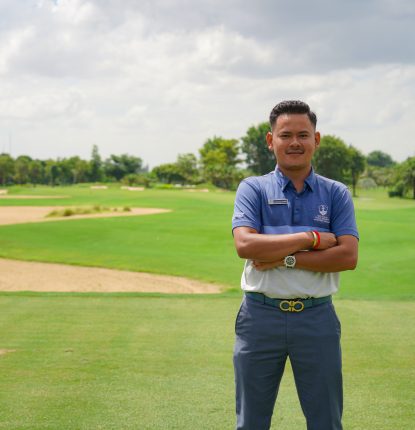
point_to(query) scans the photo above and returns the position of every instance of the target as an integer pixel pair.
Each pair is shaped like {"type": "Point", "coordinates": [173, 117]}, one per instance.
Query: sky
{"type": "Point", "coordinates": [157, 78]}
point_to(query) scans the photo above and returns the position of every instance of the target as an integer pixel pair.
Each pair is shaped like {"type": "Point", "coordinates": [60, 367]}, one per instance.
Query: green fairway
{"type": "Point", "coordinates": [165, 362]}
{"type": "Point", "coordinates": [195, 240]}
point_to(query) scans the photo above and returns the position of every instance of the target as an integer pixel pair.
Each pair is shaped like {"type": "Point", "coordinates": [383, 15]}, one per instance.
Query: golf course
{"type": "Point", "coordinates": [151, 360]}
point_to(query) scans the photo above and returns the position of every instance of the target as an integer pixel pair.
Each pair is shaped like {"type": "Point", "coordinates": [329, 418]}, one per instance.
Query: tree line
{"type": "Point", "coordinates": [221, 162]}
{"type": "Point", "coordinates": [67, 171]}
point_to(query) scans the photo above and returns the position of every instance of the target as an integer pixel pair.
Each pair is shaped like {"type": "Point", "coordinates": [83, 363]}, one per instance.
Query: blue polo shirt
{"type": "Point", "coordinates": [270, 204]}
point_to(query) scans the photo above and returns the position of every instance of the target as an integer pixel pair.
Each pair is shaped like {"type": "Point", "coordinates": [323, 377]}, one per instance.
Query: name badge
{"type": "Point", "coordinates": [278, 201]}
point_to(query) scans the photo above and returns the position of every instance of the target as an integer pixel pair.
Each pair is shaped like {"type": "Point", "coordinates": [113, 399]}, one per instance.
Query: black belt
{"type": "Point", "coordinates": [289, 305]}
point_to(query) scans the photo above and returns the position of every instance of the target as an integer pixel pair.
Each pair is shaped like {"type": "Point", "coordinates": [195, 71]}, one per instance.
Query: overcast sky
{"type": "Point", "coordinates": [156, 78]}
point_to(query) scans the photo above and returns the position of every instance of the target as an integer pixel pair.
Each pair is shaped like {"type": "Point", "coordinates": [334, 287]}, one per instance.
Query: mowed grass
{"type": "Point", "coordinates": [165, 362]}
{"type": "Point", "coordinates": [195, 240]}
{"type": "Point", "coordinates": [141, 361]}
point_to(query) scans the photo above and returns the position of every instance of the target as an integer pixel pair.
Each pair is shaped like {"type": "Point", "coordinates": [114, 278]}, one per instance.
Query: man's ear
{"type": "Point", "coordinates": [268, 138]}
{"type": "Point", "coordinates": [317, 138]}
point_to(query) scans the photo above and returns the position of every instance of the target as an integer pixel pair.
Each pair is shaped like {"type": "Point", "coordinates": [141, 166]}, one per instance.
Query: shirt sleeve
{"type": "Point", "coordinates": [247, 210]}
{"type": "Point", "coordinates": [343, 221]}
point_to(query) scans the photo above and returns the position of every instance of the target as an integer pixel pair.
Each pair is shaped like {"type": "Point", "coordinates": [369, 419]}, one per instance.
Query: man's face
{"type": "Point", "coordinates": [293, 141]}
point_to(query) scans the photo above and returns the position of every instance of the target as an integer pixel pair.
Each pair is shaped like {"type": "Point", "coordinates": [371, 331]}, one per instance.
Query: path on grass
{"type": "Point", "coordinates": [47, 277]}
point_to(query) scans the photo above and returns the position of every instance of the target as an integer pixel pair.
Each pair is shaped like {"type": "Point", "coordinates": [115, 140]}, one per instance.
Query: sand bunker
{"type": "Point", "coordinates": [46, 277]}
{"type": "Point", "coordinates": [6, 351]}
{"type": "Point", "coordinates": [21, 196]}
{"type": "Point", "coordinates": [25, 214]}
{"type": "Point", "coordinates": [198, 190]}
{"type": "Point", "coordinates": [133, 188]}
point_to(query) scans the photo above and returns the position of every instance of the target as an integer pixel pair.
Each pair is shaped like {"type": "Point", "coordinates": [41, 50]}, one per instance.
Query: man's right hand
{"type": "Point", "coordinates": [327, 240]}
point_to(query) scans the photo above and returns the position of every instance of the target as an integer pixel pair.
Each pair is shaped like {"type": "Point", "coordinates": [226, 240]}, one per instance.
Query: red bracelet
{"type": "Point", "coordinates": [317, 243]}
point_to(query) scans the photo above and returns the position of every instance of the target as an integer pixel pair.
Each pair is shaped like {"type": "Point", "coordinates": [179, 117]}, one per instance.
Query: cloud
{"type": "Point", "coordinates": [38, 106]}
{"type": "Point", "coordinates": [11, 44]}
{"type": "Point", "coordinates": [263, 39]}
{"type": "Point", "coordinates": [158, 78]}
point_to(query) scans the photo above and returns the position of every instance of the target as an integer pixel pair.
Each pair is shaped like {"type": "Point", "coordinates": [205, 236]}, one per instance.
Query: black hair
{"type": "Point", "coordinates": [292, 106]}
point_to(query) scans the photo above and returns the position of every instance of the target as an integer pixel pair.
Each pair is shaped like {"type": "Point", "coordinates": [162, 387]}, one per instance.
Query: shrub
{"type": "Point", "coordinates": [398, 190]}
{"type": "Point", "coordinates": [367, 183]}
{"type": "Point", "coordinates": [68, 212]}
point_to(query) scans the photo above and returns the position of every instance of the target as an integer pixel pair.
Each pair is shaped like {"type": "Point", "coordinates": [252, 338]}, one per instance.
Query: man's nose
{"type": "Point", "coordinates": [294, 142]}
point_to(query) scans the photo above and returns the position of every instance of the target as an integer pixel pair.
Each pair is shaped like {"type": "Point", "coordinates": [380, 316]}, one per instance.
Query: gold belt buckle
{"type": "Point", "coordinates": [291, 306]}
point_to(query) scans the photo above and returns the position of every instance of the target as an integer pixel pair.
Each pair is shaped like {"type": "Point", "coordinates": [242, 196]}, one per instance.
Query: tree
{"type": "Point", "coordinates": [219, 158]}
{"type": "Point", "coordinates": [405, 179]}
{"type": "Point", "coordinates": [6, 168]}
{"type": "Point", "coordinates": [379, 159]}
{"type": "Point", "coordinates": [52, 172]}
{"type": "Point", "coordinates": [22, 169]}
{"type": "Point", "coordinates": [37, 172]}
{"type": "Point", "coordinates": [357, 166]}
{"type": "Point", "coordinates": [169, 173]}
{"type": "Point", "coordinates": [79, 169]}
{"type": "Point", "coordinates": [408, 175]}
{"type": "Point", "coordinates": [64, 170]}
{"type": "Point", "coordinates": [258, 157]}
{"type": "Point", "coordinates": [117, 166]}
{"type": "Point", "coordinates": [187, 167]}
{"type": "Point", "coordinates": [383, 176]}
{"type": "Point", "coordinates": [133, 179]}
{"type": "Point", "coordinates": [96, 172]}
{"type": "Point", "coordinates": [332, 159]}
{"type": "Point", "coordinates": [183, 171]}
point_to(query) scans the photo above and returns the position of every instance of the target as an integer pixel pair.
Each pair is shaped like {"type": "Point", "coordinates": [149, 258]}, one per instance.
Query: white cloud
{"type": "Point", "coordinates": [158, 78]}
{"type": "Point", "coordinates": [11, 44]}
{"type": "Point", "coordinates": [73, 12]}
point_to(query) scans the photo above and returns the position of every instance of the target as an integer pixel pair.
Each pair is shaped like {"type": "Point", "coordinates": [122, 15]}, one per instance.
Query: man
{"type": "Point", "coordinates": [296, 230]}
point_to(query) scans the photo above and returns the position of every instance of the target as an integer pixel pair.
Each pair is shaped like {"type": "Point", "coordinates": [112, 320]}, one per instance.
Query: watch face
{"type": "Point", "coordinates": [290, 261]}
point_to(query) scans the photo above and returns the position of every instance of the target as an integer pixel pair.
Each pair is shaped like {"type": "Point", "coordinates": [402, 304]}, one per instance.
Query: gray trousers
{"type": "Point", "coordinates": [265, 337]}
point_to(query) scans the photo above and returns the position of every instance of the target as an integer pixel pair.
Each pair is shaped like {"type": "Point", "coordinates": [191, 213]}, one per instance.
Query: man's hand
{"type": "Point", "coordinates": [338, 258]}
{"type": "Point", "coordinates": [267, 265]}
{"type": "Point", "coordinates": [327, 240]}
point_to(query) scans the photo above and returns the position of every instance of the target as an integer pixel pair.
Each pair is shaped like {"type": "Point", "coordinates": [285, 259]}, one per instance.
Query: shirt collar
{"type": "Point", "coordinates": [283, 181]}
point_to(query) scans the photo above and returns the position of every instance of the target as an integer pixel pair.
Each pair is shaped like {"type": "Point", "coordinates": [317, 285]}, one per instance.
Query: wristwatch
{"type": "Point", "coordinates": [289, 261]}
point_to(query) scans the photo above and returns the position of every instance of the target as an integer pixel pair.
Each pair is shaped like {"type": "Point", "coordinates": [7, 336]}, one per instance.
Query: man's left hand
{"type": "Point", "coordinates": [267, 265]}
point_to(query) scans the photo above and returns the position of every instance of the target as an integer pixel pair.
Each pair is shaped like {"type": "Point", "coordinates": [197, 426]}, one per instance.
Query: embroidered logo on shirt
{"type": "Point", "coordinates": [323, 209]}
{"type": "Point", "coordinates": [322, 216]}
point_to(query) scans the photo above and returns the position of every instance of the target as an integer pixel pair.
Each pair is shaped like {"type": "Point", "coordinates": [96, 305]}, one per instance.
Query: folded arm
{"type": "Point", "coordinates": [251, 245]}
{"type": "Point", "coordinates": [341, 257]}
{"type": "Point", "coordinates": [268, 250]}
